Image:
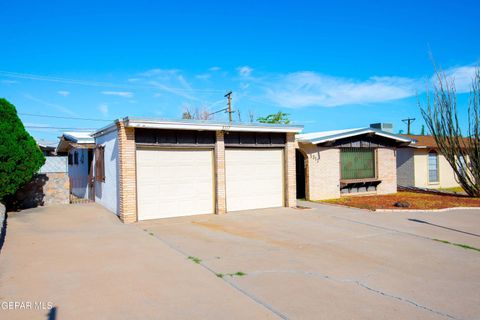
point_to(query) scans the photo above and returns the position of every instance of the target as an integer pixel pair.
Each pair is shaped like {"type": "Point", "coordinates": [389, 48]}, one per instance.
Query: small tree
{"type": "Point", "coordinates": [441, 117]}
{"type": "Point", "coordinates": [279, 117]}
{"type": "Point", "coordinates": [20, 156]}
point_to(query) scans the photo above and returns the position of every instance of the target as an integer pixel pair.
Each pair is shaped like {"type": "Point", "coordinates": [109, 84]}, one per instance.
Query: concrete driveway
{"type": "Point", "coordinates": [338, 263]}
{"type": "Point", "coordinates": [88, 265]}
{"type": "Point", "coordinates": [322, 263]}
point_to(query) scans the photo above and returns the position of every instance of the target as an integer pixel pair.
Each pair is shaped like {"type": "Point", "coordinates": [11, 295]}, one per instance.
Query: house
{"type": "Point", "coordinates": [48, 147]}
{"type": "Point", "coordinates": [79, 148]}
{"type": "Point", "coordinates": [352, 161]}
{"type": "Point", "coordinates": [149, 169]}
{"type": "Point", "coordinates": [422, 165]}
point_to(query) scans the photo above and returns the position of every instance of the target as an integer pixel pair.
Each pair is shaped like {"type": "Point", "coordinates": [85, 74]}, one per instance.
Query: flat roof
{"type": "Point", "coordinates": [326, 136]}
{"type": "Point", "coordinates": [207, 125]}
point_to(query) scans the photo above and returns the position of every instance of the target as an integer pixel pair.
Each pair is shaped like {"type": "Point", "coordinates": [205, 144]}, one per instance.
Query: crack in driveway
{"type": "Point", "coordinates": [359, 284]}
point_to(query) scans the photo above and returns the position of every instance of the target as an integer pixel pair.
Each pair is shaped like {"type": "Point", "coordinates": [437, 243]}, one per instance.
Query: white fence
{"type": "Point", "coordinates": [54, 164]}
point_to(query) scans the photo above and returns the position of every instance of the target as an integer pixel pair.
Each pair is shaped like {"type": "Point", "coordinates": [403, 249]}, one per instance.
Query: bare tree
{"type": "Point", "coordinates": [239, 116]}
{"type": "Point", "coordinates": [197, 113]}
{"type": "Point", "coordinates": [441, 117]}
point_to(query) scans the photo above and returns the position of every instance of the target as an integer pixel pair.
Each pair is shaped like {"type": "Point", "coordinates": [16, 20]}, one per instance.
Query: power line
{"type": "Point", "coordinates": [61, 117]}
{"type": "Point", "coordinates": [99, 84]}
{"type": "Point", "coordinates": [60, 128]}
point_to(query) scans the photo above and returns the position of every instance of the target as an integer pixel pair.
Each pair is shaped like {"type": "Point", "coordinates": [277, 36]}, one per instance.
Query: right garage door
{"type": "Point", "coordinates": [254, 178]}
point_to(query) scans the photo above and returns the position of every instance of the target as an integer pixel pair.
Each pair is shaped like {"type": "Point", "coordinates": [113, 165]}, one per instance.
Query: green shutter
{"type": "Point", "coordinates": [357, 163]}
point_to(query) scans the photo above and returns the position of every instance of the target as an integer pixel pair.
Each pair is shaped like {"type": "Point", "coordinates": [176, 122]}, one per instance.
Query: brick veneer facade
{"type": "Point", "coordinates": [127, 173]}
{"type": "Point", "coordinates": [220, 187]}
{"type": "Point", "coordinates": [290, 173]}
{"type": "Point", "coordinates": [387, 170]}
{"type": "Point", "coordinates": [323, 171]}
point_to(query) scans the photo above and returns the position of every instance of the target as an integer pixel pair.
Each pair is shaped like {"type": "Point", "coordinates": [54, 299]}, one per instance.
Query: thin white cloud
{"type": "Point", "coordinates": [103, 108]}
{"type": "Point", "coordinates": [462, 77]}
{"type": "Point", "coordinates": [214, 69]}
{"type": "Point", "coordinates": [157, 72]}
{"type": "Point", "coordinates": [304, 89]}
{"type": "Point", "coordinates": [63, 93]}
{"type": "Point", "coordinates": [123, 94]}
{"type": "Point", "coordinates": [245, 71]}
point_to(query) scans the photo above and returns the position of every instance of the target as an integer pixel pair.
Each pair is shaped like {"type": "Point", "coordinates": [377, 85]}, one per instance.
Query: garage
{"type": "Point", "coordinates": [174, 182]}
{"type": "Point", "coordinates": [172, 168]}
{"type": "Point", "coordinates": [254, 178]}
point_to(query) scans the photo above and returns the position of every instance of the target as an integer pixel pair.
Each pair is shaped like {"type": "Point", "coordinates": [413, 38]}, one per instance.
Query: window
{"type": "Point", "coordinates": [70, 159]}
{"type": "Point", "coordinates": [75, 158]}
{"type": "Point", "coordinates": [357, 163]}
{"type": "Point", "coordinates": [100, 164]}
{"type": "Point", "coordinates": [432, 167]}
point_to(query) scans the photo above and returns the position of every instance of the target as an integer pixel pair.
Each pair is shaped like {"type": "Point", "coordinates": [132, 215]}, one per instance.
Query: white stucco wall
{"type": "Point", "coordinates": [78, 173]}
{"type": "Point", "coordinates": [446, 174]}
{"type": "Point", "coordinates": [106, 193]}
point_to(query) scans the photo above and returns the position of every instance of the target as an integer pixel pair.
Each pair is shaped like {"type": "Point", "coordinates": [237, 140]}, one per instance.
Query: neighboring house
{"type": "Point", "coordinates": [351, 161]}
{"type": "Point", "coordinates": [79, 148]}
{"type": "Point", "coordinates": [422, 165]}
{"type": "Point", "coordinates": [48, 147]}
{"type": "Point", "coordinates": [148, 169]}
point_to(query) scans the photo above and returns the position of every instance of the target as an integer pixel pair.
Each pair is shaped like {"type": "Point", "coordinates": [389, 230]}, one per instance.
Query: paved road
{"type": "Point", "coordinates": [322, 263]}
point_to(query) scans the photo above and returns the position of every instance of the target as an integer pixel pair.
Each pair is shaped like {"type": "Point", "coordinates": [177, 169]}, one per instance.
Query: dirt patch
{"type": "Point", "coordinates": [420, 201]}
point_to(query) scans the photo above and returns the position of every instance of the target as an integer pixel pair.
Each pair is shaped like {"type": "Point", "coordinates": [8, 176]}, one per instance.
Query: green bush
{"type": "Point", "coordinates": [20, 156]}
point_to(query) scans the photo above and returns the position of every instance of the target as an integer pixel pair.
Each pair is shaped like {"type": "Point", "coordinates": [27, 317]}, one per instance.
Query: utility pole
{"type": "Point", "coordinates": [408, 121]}
{"type": "Point", "coordinates": [229, 109]}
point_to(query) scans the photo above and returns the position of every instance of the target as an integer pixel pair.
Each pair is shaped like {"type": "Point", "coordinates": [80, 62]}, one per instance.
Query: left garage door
{"type": "Point", "coordinates": [173, 183]}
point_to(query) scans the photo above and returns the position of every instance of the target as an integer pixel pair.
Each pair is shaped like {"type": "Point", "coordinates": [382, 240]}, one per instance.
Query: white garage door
{"type": "Point", "coordinates": [254, 178]}
{"type": "Point", "coordinates": [173, 183]}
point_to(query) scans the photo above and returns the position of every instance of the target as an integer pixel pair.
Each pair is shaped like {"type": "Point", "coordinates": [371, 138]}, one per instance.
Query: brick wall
{"type": "Point", "coordinates": [127, 174]}
{"type": "Point", "coordinates": [387, 170]}
{"type": "Point", "coordinates": [220, 187]}
{"type": "Point", "coordinates": [290, 177]}
{"type": "Point", "coordinates": [323, 166]}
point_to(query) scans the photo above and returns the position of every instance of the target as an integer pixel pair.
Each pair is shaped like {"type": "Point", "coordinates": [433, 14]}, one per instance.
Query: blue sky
{"type": "Point", "coordinates": [331, 65]}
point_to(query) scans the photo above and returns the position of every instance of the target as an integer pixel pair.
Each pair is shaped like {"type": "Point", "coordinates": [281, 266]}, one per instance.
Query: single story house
{"type": "Point", "coordinates": [149, 169]}
{"type": "Point", "coordinates": [422, 165]}
{"type": "Point", "coordinates": [79, 147]}
{"type": "Point", "coordinates": [352, 161]}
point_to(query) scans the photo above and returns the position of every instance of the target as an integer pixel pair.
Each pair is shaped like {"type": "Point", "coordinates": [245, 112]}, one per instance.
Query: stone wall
{"type": "Point", "coordinates": [3, 225]}
{"type": "Point", "coordinates": [43, 189]}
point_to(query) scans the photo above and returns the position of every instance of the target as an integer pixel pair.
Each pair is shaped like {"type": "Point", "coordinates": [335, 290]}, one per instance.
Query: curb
{"type": "Point", "coordinates": [428, 210]}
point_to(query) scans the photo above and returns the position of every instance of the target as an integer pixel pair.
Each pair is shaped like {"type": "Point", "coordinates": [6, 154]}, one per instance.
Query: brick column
{"type": "Point", "coordinates": [127, 206]}
{"type": "Point", "coordinates": [220, 190]}
{"type": "Point", "coordinates": [290, 172]}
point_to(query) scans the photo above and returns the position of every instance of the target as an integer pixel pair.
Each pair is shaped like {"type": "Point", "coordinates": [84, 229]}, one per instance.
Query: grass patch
{"type": "Point", "coordinates": [195, 259]}
{"type": "Point", "coordinates": [461, 245]}
{"type": "Point", "coordinates": [453, 189]}
{"type": "Point", "coordinates": [234, 274]}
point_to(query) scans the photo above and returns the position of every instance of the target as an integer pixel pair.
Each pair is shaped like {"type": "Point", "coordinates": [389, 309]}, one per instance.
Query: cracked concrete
{"type": "Point", "coordinates": [337, 263]}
